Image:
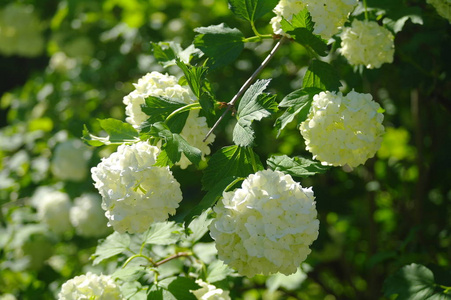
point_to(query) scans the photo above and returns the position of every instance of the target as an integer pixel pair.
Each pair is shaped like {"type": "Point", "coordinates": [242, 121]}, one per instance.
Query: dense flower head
{"type": "Point", "coordinates": [53, 209]}
{"type": "Point", "coordinates": [136, 193]}
{"type": "Point", "coordinates": [88, 217]}
{"type": "Point", "coordinates": [328, 15]}
{"type": "Point", "coordinates": [368, 44]}
{"type": "Point", "coordinates": [210, 292]}
{"type": "Point", "coordinates": [20, 31]}
{"type": "Point", "coordinates": [266, 226]}
{"type": "Point", "coordinates": [443, 8]}
{"type": "Point", "coordinates": [70, 160]}
{"type": "Point", "coordinates": [343, 130]}
{"type": "Point", "coordinates": [156, 84]}
{"type": "Point", "coordinates": [90, 286]}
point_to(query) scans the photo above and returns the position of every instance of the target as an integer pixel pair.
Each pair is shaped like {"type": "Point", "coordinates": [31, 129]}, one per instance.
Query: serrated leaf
{"type": "Point", "coordinates": [298, 104]}
{"type": "Point", "coordinates": [132, 290]}
{"type": "Point", "coordinates": [129, 273]}
{"type": "Point", "coordinates": [302, 19]}
{"type": "Point", "coordinates": [252, 9]}
{"type": "Point", "coordinates": [179, 287]}
{"type": "Point", "coordinates": [213, 195]}
{"type": "Point", "coordinates": [198, 227]}
{"type": "Point", "coordinates": [158, 108]}
{"type": "Point", "coordinates": [163, 233]}
{"type": "Point", "coordinates": [254, 106]}
{"type": "Point", "coordinates": [166, 53]}
{"type": "Point", "coordinates": [194, 76]}
{"type": "Point", "coordinates": [217, 271]}
{"type": "Point", "coordinates": [228, 162]}
{"type": "Point", "coordinates": [118, 133]}
{"type": "Point", "coordinates": [414, 282]}
{"type": "Point", "coordinates": [114, 244]}
{"type": "Point", "coordinates": [220, 43]}
{"type": "Point", "coordinates": [296, 166]}
{"type": "Point", "coordinates": [207, 101]}
{"type": "Point", "coordinates": [321, 75]}
{"type": "Point", "coordinates": [174, 145]}
{"type": "Point", "coordinates": [397, 25]}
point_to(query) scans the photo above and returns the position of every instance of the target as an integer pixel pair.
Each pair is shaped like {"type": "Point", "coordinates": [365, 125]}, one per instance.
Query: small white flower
{"type": "Point", "coordinates": [90, 286]}
{"type": "Point", "coordinates": [88, 217]}
{"type": "Point", "coordinates": [368, 44]}
{"type": "Point", "coordinates": [135, 192]}
{"type": "Point", "coordinates": [266, 226]}
{"type": "Point", "coordinates": [70, 160]}
{"type": "Point", "coordinates": [157, 84]}
{"type": "Point", "coordinates": [343, 130]}
{"type": "Point", "coordinates": [329, 15]}
{"type": "Point", "coordinates": [210, 292]}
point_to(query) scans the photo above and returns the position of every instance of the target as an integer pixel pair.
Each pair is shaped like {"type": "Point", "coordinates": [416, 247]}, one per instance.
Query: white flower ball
{"type": "Point", "coordinates": [266, 226]}
{"type": "Point", "coordinates": [136, 193]}
{"type": "Point", "coordinates": [88, 217]}
{"type": "Point", "coordinates": [70, 160]}
{"type": "Point", "coordinates": [157, 84]}
{"type": "Point", "coordinates": [53, 209]}
{"type": "Point", "coordinates": [210, 292]}
{"type": "Point", "coordinates": [90, 286]}
{"type": "Point", "coordinates": [20, 31]}
{"type": "Point", "coordinates": [443, 8]}
{"type": "Point", "coordinates": [329, 15]}
{"type": "Point", "coordinates": [343, 130]}
{"type": "Point", "coordinates": [368, 44]}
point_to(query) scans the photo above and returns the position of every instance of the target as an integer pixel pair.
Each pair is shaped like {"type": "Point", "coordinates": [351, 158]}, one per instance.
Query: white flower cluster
{"type": "Point", "coordinates": [156, 84]}
{"type": "Point", "coordinates": [53, 209]}
{"type": "Point", "coordinates": [20, 31]}
{"type": "Point", "coordinates": [343, 130]}
{"type": "Point", "coordinates": [60, 62]}
{"type": "Point", "coordinates": [210, 292]}
{"type": "Point", "coordinates": [328, 15]}
{"type": "Point", "coordinates": [90, 286]}
{"type": "Point", "coordinates": [135, 192]}
{"type": "Point", "coordinates": [443, 8]}
{"type": "Point", "coordinates": [70, 160]}
{"type": "Point", "coordinates": [88, 217]}
{"type": "Point", "coordinates": [266, 226]}
{"type": "Point", "coordinates": [368, 44]}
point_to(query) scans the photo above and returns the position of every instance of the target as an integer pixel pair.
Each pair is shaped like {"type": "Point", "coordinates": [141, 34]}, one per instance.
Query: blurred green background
{"type": "Point", "coordinates": [67, 63]}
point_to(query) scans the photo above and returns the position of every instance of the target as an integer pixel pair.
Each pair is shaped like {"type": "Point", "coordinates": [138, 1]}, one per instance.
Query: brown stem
{"type": "Point", "coordinates": [177, 255]}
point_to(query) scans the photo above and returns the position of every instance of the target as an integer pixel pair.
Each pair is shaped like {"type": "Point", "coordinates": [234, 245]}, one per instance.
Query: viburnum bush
{"type": "Point", "coordinates": [256, 217]}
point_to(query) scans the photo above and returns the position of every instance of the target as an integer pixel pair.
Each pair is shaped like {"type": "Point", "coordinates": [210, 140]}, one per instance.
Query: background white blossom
{"type": "Point", "coordinates": [88, 217]}
{"type": "Point", "coordinates": [266, 226]}
{"type": "Point", "coordinates": [136, 193]}
{"type": "Point", "coordinates": [70, 160]}
{"type": "Point", "coordinates": [343, 130]}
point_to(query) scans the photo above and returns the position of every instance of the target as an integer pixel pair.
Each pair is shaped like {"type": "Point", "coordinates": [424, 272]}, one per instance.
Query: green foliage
{"type": "Point", "coordinates": [321, 75]}
{"type": "Point", "coordinates": [251, 10]}
{"type": "Point", "coordinates": [118, 133]}
{"type": "Point", "coordinates": [254, 106]}
{"type": "Point", "coordinates": [114, 244]}
{"type": "Point", "coordinates": [296, 166]}
{"type": "Point", "coordinates": [163, 233]}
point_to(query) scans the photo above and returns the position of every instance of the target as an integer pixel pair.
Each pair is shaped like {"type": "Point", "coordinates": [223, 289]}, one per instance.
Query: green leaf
{"type": "Point", "coordinates": [179, 287]}
{"type": "Point", "coordinates": [321, 75]}
{"type": "Point", "coordinates": [118, 133]}
{"type": "Point", "coordinates": [163, 233]}
{"type": "Point", "coordinates": [252, 9]}
{"type": "Point", "coordinates": [228, 162]}
{"type": "Point", "coordinates": [198, 227]}
{"type": "Point", "coordinates": [254, 105]}
{"type": "Point", "coordinates": [414, 282]}
{"type": "Point", "coordinates": [166, 53]}
{"type": "Point", "coordinates": [114, 244]}
{"type": "Point", "coordinates": [217, 271]}
{"type": "Point", "coordinates": [213, 195]}
{"type": "Point", "coordinates": [174, 145]}
{"type": "Point", "coordinates": [158, 109]}
{"type": "Point", "coordinates": [296, 166]}
{"type": "Point", "coordinates": [397, 25]}
{"type": "Point", "coordinates": [220, 43]}
{"type": "Point", "coordinates": [194, 76]}
{"type": "Point", "coordinates": [298, 103]}
{"type": "Point", "coordinates": [129, 273]}
{"type": "Point", "coordinates": [207, 101]}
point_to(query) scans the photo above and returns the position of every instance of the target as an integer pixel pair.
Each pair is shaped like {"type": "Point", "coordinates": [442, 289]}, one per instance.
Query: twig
{"type": "Point", "coordinates": [246, 85]}
{"type": "Point", "coordinates": [177, 255]}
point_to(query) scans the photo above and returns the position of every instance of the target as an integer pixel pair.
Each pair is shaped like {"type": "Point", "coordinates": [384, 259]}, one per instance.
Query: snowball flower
{"type": "Point", "coordinates": [156, 84]}
{"type": "Point", "coordinates": [343, 130]}
{"type": "Point", "coordinates": [366, 43]}
{"type": "Point", "coordinates": [70, 160]}
{"type": "Point", "coordinates": [88, 217]}
{"type": "Point", "coordinates": [443, 8]}
{"type": "Point", "coordinates": [328, 15]}
{"type": "Point", "coordinates": [20, 31]}
{"type": "Point", "coordinates": [210, 292]}
{"type": "Point", "coordinates": [136, 193]}
{"type": "Point", "coordinates": [90, 286]}
{"type": "Point", "coordinates": [53, 209]}
{"type": "Point", "coordinates": [266, 226]}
